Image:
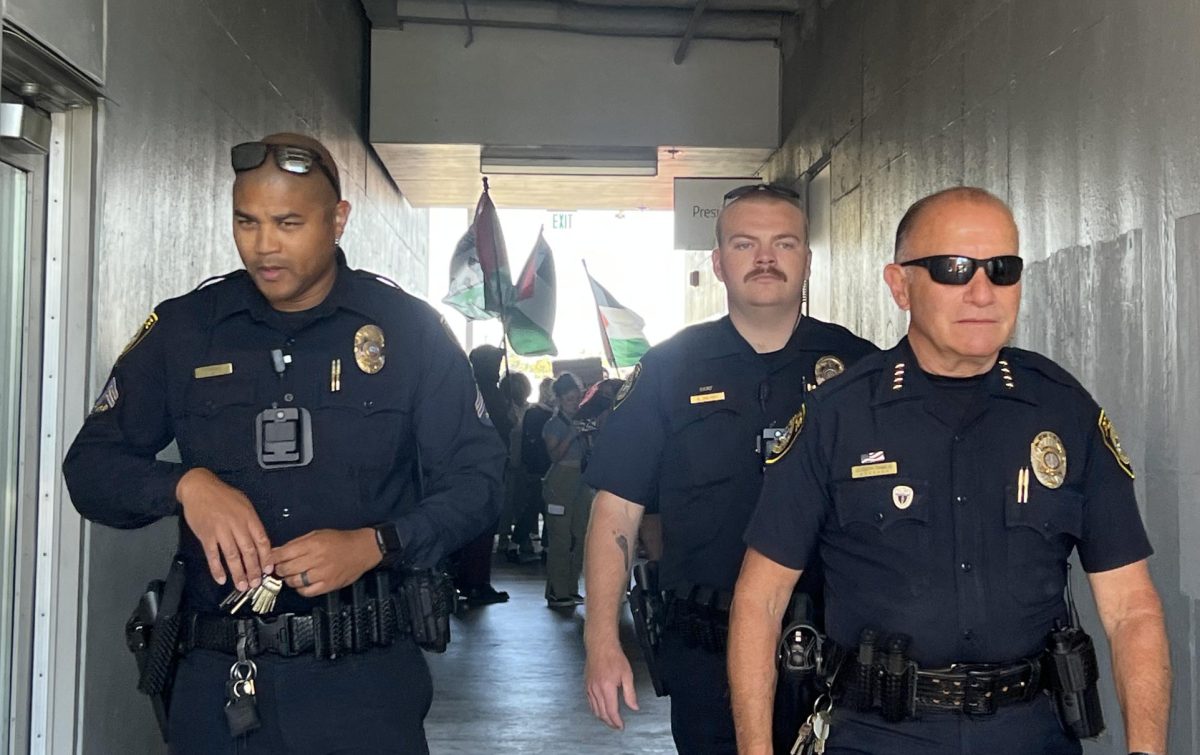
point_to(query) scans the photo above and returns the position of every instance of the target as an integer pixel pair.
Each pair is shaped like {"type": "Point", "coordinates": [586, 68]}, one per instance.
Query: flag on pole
{"type": "Point", "coordinates": [620, 327]}
{"type": "Point", "coordinates": [480, 281]}
{"type": "Point", "coordinates": [531, 314]}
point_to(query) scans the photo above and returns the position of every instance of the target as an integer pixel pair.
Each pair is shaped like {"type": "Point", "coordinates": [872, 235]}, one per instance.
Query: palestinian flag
{"type": "Point", "coordinates": [531, 314]}
{"type": "Point", "coordinates": [621, 328]}
{"type": "Point", "coordinates": [480, 281]}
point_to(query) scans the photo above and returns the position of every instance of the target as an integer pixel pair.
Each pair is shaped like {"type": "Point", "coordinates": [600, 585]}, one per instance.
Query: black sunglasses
{"type": "Point", "coordinates": [957, 270]}
{"type": "Point", "coordinates": [295, 160]}
{"type": "Point", "coordinates": [775, 190]}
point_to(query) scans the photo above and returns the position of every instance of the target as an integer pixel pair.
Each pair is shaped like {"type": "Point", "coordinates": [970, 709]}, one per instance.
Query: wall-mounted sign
{"type": "Point", "coordinates": [697, 204]}
{"type": "Point", "coordinates": [561, 221]}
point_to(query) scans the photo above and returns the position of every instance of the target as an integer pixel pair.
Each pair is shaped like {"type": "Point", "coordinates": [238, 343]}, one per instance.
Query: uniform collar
{"type": "Point", "coordinates": [245, 297]}
{"type": "Point", "coordinates": [808, 336]}
{"type": "Point", "coordinates": [904, 379]}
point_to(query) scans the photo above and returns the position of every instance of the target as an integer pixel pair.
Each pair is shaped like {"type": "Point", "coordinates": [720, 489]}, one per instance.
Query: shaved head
{"type": "Point", "coordinates": [316, 181]}
{"type": "Point", "coordinates": [921, 207]}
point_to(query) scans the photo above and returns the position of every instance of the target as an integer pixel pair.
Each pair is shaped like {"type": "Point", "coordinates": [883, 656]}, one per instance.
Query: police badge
{"type": "Point", "coordinates": [785, 441]}
{"type": "Point", "coordinates": [1048, 457]}
{"type": "Point", "coordinates": [369, 352]}
{"type": "Point", "coordinates": [828, 367]}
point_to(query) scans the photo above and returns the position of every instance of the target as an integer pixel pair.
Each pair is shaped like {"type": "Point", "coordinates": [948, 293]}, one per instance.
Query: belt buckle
{"type": "Point", "coordinates": [275, 634]}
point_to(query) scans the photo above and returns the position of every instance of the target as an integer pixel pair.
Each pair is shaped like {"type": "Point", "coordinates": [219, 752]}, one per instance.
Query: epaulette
{"type": "Point", "coordinates": [380, 278]}
{"type": "Point", "coordinates": [217, 279]}
{"type": "Point", "coordinates": [1044, 366]}
{"type": "Point", "coordinates": [864, 369]}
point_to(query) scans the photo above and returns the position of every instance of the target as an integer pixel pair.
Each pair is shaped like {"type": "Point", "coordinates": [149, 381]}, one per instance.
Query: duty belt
{"type": "Point", "coordinates": [976, 689]}
{"type": "Point", "coordinates": [702, 617]}
{"type": "Point", "coordinates": [326, 632]}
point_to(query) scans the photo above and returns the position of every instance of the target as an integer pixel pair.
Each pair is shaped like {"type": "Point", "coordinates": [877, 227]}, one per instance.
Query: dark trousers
{"type": "Point", "coordinates": [527, 488]}
{"type": "Point", "coordinates": [475, 562]}
{"type": "Point", "coordinates": [701, 719]}
{"type": "Point", "coordinates": [1029, 729]}
{"type": "Point", "coordinates": [701, 716]}
{"type": "Point", "coordinates": [372, 702]}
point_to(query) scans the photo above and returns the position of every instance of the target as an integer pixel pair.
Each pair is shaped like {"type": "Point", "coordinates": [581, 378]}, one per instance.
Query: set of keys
{"type": "Point", "coordinates": [261, 599]}
{"type": "Point", "coordinates": [815, 731]}
{"type": "Point", "coordinates": [241, 707]}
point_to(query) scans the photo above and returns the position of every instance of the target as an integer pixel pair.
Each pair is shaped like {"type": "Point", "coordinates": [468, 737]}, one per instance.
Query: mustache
{"type": "Point", "coordinates": [771, 271]}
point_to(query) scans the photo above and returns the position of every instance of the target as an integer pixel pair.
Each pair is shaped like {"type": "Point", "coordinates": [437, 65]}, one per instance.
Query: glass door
{"type": "Point", "coordinates": [15, 214]}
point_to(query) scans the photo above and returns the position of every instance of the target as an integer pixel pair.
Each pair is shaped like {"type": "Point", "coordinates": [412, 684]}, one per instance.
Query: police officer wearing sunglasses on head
{"type": "Point", "coordinates": [687, 439]}
{"type": "Point", "coordinates": [333, 450]}
{"type": "Point", "coordinates": [944, 483]}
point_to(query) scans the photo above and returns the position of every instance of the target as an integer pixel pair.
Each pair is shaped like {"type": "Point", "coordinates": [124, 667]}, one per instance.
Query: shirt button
{"type": "Point", "coordinates": [368, 404]}
{"type": "Point", "coordinates": [287, 513]}
{"type": "Point", "coordinates": [966, 566]}
{"type": "Point", "coordinates": [958, 439]}
{"type": "Point", "coordinates": [879, 516]}
{"type": "Point", "coordinates": [291, 342]}
{"type": "Point", "coordinates": [960, 498]}
{"type": "Point", "coordinates": [968, 635]}
{"type": "Point", "coordinates": [287, 397]}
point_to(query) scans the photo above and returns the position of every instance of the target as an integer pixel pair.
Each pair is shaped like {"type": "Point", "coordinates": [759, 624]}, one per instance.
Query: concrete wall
{"type": "Point", "coordinates": [184, 81]}
{"type": "Point", "coordinates": [527, 87]}
{"type": "Point", "coordinates": [1082, 114]}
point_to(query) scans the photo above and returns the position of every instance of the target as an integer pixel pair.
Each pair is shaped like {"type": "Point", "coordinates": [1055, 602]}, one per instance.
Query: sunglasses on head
{"type": "Point", "coordinates": [774, 190]}
{"type": "Point", "coordinates": [957, 270]}
{"type": "Point", "coordinates": [296, 160]}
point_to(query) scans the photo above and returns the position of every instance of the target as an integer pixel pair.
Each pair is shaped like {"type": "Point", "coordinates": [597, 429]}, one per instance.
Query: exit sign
{"type": "Point", "coordinates": [561, 221]}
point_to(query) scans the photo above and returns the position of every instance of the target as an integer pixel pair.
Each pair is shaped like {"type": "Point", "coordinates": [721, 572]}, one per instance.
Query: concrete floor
{"type": "Point", "coordinates": [512, 681]}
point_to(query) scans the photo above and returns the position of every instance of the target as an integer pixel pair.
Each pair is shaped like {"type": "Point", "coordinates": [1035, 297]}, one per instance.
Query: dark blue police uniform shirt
{"type": "Point", "coordinates": [683, 442]}
{"type": "Point", "coordinates": [369, 436]}
{"type": "Point", "coordinates": [958, 563]}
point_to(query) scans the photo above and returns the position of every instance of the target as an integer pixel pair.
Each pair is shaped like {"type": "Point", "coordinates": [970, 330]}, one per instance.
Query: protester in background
{"type": "Point", "coordinates": [568, 499]}
{"type": "Point", "coordinates": [473, 576]}
{"type": "Point", "coordinates": [514, 387]}
{"type": "Point", "coordinates": [536, 463]}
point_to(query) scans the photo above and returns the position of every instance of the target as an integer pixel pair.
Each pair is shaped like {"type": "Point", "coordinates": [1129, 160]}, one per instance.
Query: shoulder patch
{"type": "Point", "coordinates": [108, 397]}
{"type": "Point", "coordinates": [1109, 434]}
{"type": "Point", "coordinates": [147, 326]}
{"type": "Point", "coordinates": [481, 410]}
{"type": "Point", "coordinates": [627, 387]}
{"type": "Point", "coordinates": [788, 439]}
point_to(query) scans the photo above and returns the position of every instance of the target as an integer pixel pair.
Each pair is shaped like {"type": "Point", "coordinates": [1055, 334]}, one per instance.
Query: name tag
{"type": "Point", "coordinates": [704, 398]}
{"type": "Point", "coordinates": [874, 470]}
{"type": "Point", "coordinates": [213, 370]}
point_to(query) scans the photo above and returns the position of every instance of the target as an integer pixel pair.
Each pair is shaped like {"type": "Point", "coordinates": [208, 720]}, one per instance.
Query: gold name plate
{"type": "Point", "coordinates": [213, 370]}
{"type": "Point", "coordinates": [874, 470]}
{"type": "Point", "coordinates": [704, 398]}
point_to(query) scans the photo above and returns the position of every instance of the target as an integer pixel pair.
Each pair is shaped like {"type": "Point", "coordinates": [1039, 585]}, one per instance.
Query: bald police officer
{"type": "Point", "coordinates": [944, 484]}
{"type": "Point", "coordinates": [686, 440]}
{"type": "Point", "coordinates": [330, 436]}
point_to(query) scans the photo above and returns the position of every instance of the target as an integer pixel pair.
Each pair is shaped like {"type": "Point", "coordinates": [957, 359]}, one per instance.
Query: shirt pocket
{"type": "Point", "coordinates": [370, 429]}
{"type": "Point", "coordinates": [1040, 535]}
{"type": "Point", "coordinates": [216, 430]}
{"type": "Point", "coordinates": [887, 520]}
{"type": "Point", "coordinates": [713, 443]}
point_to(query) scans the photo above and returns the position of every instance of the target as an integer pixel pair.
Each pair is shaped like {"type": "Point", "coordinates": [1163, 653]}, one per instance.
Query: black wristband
{"type": "Point", "coordinates": [387, 537]}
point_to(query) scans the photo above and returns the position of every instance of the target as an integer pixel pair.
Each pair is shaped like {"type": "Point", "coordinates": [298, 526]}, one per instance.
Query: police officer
{"type": "Point", "coordinates": [944, 483]}
{"type": "Point", "coordinates": [329, 434]}
{"type": "Point", "coordinates": [687, 439]}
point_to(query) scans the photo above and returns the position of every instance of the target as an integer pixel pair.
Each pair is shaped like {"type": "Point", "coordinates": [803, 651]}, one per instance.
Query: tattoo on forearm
{"type": "Point", "coordinates": [623, 544]}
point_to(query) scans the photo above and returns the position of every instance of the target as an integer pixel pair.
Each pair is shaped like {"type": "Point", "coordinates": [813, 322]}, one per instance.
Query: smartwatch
{"type": "Point", "coordinates": [390, 548]}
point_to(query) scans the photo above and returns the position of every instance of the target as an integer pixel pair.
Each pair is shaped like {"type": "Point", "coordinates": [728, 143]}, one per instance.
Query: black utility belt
{"type": "Point", "coordinates": [701, 615]}
{"type": "Point", "coordinates": [901, 692]}
{"type": "Point", "coordinates": [326, 632]}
